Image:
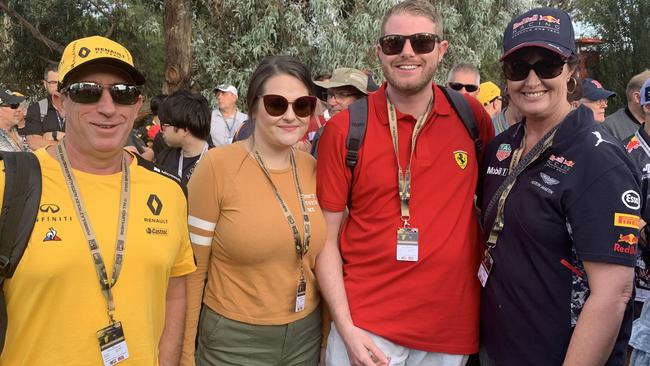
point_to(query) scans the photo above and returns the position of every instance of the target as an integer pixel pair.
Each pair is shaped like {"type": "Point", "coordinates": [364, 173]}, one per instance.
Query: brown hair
{"type": "Point", "coordinates": [272, 66]}
{"type": "Point", "coordinates": [635, 84]}
{"type": "Point", "coordinates": [416, 8]}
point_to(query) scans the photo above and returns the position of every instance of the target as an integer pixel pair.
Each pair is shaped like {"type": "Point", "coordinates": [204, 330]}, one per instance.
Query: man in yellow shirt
{"type": "Point", "coordinates": [85, 293]}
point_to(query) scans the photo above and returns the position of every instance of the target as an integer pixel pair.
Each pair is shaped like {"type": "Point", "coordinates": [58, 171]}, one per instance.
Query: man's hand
{"type": "Point", "coordinates": [362, 351]}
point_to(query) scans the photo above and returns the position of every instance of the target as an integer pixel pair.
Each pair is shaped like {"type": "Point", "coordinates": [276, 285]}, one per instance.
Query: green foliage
{"type": "Point", "coordinates": [624, 25]}
{"type": "Point", "coordinates": [137, 25]}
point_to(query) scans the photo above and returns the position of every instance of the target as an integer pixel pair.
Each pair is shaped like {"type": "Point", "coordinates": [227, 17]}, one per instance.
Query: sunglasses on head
{"type": "Point", "coordinates": [89, 92]}
{"type": "Point", "coordinates": [277, 105]}
{"type": "Point", "coordinates": [470, 88]}
{"type": "Point", "coordinates": [546, 68]}
{"type": "Point", "coordinates": [393, 44]}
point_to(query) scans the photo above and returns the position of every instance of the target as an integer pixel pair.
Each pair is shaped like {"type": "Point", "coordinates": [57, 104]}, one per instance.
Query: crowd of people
{"type": "Point", "coordinates": [514, 234]}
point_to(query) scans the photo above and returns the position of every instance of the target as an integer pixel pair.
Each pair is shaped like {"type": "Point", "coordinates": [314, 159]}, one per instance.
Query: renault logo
{"type": "Point", "coordinates": [49, 208]}
{"type": "Point", "coordinates": [154, 204]}
{"type": "Point", "coordinates": [84, 52]}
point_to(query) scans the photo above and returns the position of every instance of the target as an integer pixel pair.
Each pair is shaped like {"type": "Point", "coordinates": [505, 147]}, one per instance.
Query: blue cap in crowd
{"type": "Point", "coordinates": [542, 27]}
{"type": "Point", "coordinates": [593, 90]}
{"type": "Point", "coordinates": [645, 93]}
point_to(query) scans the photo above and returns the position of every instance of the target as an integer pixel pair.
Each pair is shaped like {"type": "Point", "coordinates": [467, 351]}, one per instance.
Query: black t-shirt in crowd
{"type": "Point", "coordinates": [51, 121]}
{"type": "Point", "coordinates": [578, 201]}
{"type": "Point", "coordinates": [170, 160]}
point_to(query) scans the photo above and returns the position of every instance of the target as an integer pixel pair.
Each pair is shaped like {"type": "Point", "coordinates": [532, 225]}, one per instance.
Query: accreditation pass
{"type": "Point", "coordinates": [112, 344]}
{"type": "Point", "coordinates": [407, 244]}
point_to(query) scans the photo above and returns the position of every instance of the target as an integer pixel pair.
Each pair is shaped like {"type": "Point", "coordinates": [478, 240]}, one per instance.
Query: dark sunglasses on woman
{"type": "Point", "coordinates": [393, 44]}
{"type": "Point", "coordinates": [458, 86]}
{"type": "Point", "coordinates": [12, 106]}
{"type": "Point", "coordinates": [545, 68]}
{"type": "Point", "coordinates": [89, 92]}
{"type": "Point", "coordinates": [277, 105]}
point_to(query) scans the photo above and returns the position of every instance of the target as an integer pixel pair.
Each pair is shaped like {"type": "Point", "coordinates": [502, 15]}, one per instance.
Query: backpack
{"type": "Point", "coordinates": [359, 118]}
{"type": "Point", "coordinates": [20, 204]}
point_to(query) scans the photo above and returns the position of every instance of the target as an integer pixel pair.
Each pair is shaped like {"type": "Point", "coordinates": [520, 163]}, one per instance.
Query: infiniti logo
{"type": "Point", "coordinates": [49, 207]}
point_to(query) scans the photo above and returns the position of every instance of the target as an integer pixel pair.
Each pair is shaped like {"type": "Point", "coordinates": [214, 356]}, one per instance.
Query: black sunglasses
{"type": "Point", "coordinates": [89, 92]}
{"type": "Point", "coordinates": [545, 68]}
{"type": "Point", "coordinates": [277, 105]}
{"type": "Point", "coordinates": [393, 44]}
{"type": "Point", "coordinates": [12, 106]}
{"type": "Point", "coordinates": [470, 88]}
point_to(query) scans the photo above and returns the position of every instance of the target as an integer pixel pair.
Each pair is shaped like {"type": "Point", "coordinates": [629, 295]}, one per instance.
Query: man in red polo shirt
{"type": "Point", "coordinates": [401, 278]}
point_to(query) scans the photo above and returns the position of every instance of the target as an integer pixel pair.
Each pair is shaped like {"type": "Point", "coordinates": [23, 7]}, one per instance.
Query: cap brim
{"type": "Point", "coordinates": [138, 78]}
{"type": "Point", "coordinates": [336, 84]}
{"type": "Point", "coordinates": [14, 99]}
{"type": "Point", "coordinates": [562, 51]}
{"type": "Point", "coordinates": [599, 94]}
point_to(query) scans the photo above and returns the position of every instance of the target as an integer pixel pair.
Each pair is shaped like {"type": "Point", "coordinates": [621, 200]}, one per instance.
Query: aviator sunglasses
{"type": "Point", "coordinates": [393, 44]}
{"type": "Point", "coordinates": [545, 69]}
{"type": "Point", "coordinates": [277, 105]}
{"type": "Point", "coordinates": [470, 88]}
{"type": "Point", "coordinates": [89, 92]}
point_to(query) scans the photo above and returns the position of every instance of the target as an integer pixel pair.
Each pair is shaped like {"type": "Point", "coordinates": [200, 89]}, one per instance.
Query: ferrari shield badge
{"type": "Point", "coordinates": [461, 158]}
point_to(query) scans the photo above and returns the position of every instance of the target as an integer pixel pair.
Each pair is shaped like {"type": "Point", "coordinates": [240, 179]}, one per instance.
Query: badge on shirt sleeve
{"type": "Point", "coordinates": [112, 344]}
{"type": "Point", "coordinates": [407, 244]}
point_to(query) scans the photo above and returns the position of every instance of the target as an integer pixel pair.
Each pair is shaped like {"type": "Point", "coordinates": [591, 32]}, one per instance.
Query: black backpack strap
{"type": "Point", "coordinates": [462, 108]}
{"type": "Point", "coordinates": [20, 201]}
{"type": "Point", "coordinates": [358, 121]}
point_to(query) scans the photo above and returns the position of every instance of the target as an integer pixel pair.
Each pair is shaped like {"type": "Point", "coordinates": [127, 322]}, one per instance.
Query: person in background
{"type": "Point", "coordinates": [185, 120]}
{"type": "Point", "coordinates": [559, 201]}
{"type": "Point", "coordinates": [465, 78]}
{"type": "Point", "coordinates": [10, 115]}
{"type": "Point", "coordinates": [489, 96]}
{"type": "Point", "coordinates": [226, 119]}
{"type": "Point", "coordinates": [344, 87]}
{"type": "Point", "coordinates": [627, 120]}
{"type": "Point", "coordinates": [258, 250]}
{"type": "Point", "coordinates": [595, 97]}
{"type": "Point", "coordinates": [43, 123]}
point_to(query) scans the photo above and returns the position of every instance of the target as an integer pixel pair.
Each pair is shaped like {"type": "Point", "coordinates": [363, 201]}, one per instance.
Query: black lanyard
{"type": "Point", "coordinates": [404, 180]}
{"type": "Point", "coordinates": [82, 215]}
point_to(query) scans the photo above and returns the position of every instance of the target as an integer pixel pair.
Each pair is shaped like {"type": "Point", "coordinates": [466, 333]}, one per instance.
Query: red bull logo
{"type": "Point", "coordinates": [632, 144]}
{"type": "Point", "coordinates": [630, 239]}
{"type": "Point", "coordinates": [549, 19]}
{"type": "Point", "coordinates": [562, 160]}
{"type": "Point", "coordinates": [626, 244]}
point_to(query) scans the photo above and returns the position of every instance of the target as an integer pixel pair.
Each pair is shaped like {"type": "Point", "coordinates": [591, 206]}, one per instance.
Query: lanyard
{"type": "Point", "coordinates": [82, 215]}
{"type": "Point", "coordinates": [180, 160]}
{"type": "Point", "coordinates": [517, 166]}
{"type": "Point", "coordinates": [404, 180]}
{"type": "Point", "coordinates": [229, 129]}
{"type": "Point", "coordinates": [302, 247]}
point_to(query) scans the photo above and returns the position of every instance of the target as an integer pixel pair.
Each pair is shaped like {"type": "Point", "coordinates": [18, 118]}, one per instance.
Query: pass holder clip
{"type": "Point", "coordinates": [112, 344]}
{"type": "Point", "coordinates": [301, 295]}
{"type": "Point", "coordinates": [407, 243]}
{"type": "Point", "coordinates": [485, 268]}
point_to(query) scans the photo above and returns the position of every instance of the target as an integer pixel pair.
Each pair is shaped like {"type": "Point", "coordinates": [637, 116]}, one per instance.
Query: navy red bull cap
{"type": "Point", "coordinates": [542, 27]}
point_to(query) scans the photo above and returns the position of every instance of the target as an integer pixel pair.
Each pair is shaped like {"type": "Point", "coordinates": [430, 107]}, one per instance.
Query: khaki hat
{"type": "Point", "coordinates": [97, 50]}
{"type": "Point", "coordinates": [487, 92]}
{"type": "Point", "coordinates": [346, 76]}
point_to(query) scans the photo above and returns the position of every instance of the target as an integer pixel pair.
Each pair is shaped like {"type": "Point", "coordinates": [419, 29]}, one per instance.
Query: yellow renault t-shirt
{"type": "Point", "coordinates": [54, 302]}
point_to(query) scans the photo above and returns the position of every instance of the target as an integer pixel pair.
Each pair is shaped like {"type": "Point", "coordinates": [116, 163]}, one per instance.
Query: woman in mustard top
{"type": "Point", "coordinates": [256, 229]}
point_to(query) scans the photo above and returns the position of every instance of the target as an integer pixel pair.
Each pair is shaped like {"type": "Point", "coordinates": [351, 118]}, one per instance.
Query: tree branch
{"type": "Point", "coordinates": [107, 15]}
{"type": "Point", "coordinates": [52, 45]}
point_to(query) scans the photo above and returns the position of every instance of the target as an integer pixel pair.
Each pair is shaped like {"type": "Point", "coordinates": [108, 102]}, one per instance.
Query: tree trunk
{"type": "Point", "coordinates": [177, 22]}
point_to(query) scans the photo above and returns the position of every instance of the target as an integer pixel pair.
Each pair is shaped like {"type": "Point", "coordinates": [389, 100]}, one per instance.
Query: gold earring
{"type": "Point", "coordinates": [575, 85]}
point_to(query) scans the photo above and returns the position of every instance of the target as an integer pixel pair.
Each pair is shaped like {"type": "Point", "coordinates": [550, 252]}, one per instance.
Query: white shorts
{"type": "Point", "coordinates": [337, 354]}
